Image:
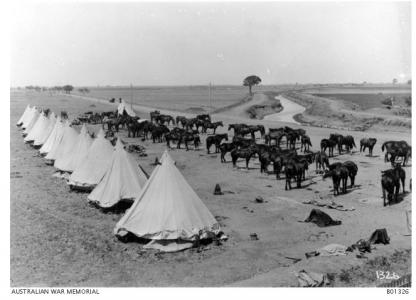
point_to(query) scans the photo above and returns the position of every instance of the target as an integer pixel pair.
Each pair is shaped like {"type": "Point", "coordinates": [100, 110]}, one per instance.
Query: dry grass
{"type": "Point", "coordinates": [365, 275]}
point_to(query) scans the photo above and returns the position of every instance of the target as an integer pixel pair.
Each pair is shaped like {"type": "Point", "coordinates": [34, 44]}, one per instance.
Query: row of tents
{"type": "Point", "coordinates": [165, 210]}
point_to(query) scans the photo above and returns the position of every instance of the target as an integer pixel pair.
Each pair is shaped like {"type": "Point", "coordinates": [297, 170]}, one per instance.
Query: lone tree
{"type": "Point", "coordinates": [394, 80]}
{"type": "Point", "coordinates": [68, 88]}
{"type": "Point", "coordinates": [250, 81]}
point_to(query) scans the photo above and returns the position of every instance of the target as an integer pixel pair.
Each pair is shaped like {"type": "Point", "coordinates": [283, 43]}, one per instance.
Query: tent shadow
{"type": "Point", "coordinates": [119, 208]}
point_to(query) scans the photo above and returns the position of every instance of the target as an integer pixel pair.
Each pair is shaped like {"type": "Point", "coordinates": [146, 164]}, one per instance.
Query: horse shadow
{"type": "Point", "coordinates": [400, 198]}
{"type": "Point", "coordinates": [375, 156]}
{"type": "Point", "coordinates": [308, 184]}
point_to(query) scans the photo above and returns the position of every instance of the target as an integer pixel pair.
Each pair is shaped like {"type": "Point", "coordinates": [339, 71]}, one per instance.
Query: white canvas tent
{"type": "Point", "coordinates": [168, 211]}
{"type": "Point", "coordinates": [32, 122]}
{"type": "Point", "coordinates": [53, 152]}
{"type": "Point", "coordinates": [92, 168]}
{"type": "Point", "coordinates": [66, 149]}
{"type": "Point", "coordinates": [22, 118]}
{"type": "Point", "coordinates": [80, 150]}
{"type": "Point", "coordinates": [124, 107]}
{"type": "Point", "coordinates": [37, 128]}
{"type": "Point", "coordinates": [53, 137]}
{"type": "Point", "coordinates": [28, 117]}
{"type": "Point", "coordinates": [123, 180]}
{"type": "Point", "coordinates": [42, 137]}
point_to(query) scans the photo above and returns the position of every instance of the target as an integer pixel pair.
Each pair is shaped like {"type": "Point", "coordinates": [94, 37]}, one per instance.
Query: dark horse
{"type": "Point", "coordinates": [390, 182]}
{"type": "Point", "coordinates": [246, 153]}
{"type": "Point", "coordinates": [215, 140]}
{"type": "Point", "coordinates": [367, 143]}
{"type": "Point", "coordinates": [210, 125]}
{"type": "Point", "coordinates": [396, 147]}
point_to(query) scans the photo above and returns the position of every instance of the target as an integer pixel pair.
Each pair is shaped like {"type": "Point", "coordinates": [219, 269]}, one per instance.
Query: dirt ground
{"type": "Point", "coordinates": [58, 239]}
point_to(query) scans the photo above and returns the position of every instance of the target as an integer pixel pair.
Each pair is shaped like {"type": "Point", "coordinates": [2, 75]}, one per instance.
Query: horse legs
{"type": "Point", "coordinates": [384, 195]}
{"type": "Point", "coordinates": [396, 193]}
{"type": "Point", "coordinates": [352, 177]}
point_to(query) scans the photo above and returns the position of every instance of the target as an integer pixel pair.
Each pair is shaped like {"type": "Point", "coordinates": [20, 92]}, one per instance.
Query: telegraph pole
{"type": "Point", "coordinates": [131, 96]}
{"type": "Point", "coordinates": [210, 98]}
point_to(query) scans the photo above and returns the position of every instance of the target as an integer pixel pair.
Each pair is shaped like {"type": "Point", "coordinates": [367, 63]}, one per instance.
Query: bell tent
{"type": "Point", "coordinates": [53, 137]}
{"type": "Point", "coordinates": [168, 212]}
{"type": "Point", "coordinates": [81, 148]}
{"type": "Point", "coordinates": [28, 117]}
{"type": "Point", "coordinates": [31, 123]}
{"type": "Point", "coordinates": [43, 136]}
{"type": "Point", "coordinates": [123, 180]}
{"type": "Point", "coordinates": [22, 118]}
{"type": "Point", "coordinates": [124, 107]}
{"type": "Point", "coordinates": [37, 128]}
{"type": "Point", "coordinates": [53, 153]}
{"type": "Point", "coordinates": [93, 167]}
{"type": "Point", "coordinates": [67, 149]}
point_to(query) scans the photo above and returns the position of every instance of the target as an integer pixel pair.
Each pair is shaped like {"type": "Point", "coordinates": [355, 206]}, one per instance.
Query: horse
{"type": "Point", "coordinates": [153, 115]}
{"type": "Point", "coordinates": [158, 133]}
{"type": "Point", "coordinates": [339, 177]}
{"type": "Point", "coordinates": [349, 143]}
{"type": "Point", "coordinates": [337, 138]}
{"type": "Point", "coordinates": [224, 148]}
{"type": "Point", "coordinates": [181, 120]}
{"type": "Point", "coordinates": [241, 142]}
{"type": "Point", "coordinates": [215, 140]}
{"type": "Point", "coordinates": [294, 169]}
{"type": "Point", "coordinates": [351, 167]}
{"type": "Point", "coordinates": [189, 137]}
{"type": "Point", "coordinates": [401, 152]}
{"type": "Point", "coordinates": [246, 153]}
{"type": "Point", "coordinates": [398, 147]}
{"type": "Point", "coordinates": [162, 119]}
{"type": "Point", "coordinates": [173, 136]}
{"type": "Point", "coordinates": [236, 127]}
{"type": "Point", "coordinates": [204, 117]}
{"type": "Point", "coordinates": [321, 160]}
{"type": "Point", "coordinates": [305, 141]}
{"type": "Point", "coordinates": [255, 128]}
{"type": "Point", "coordinates": [330, 144]}
{"type": "Point", "coordinates": [274, 135]}
{"type": "Point", "coordinates": [390, 182]}
{"type": "Point", "coordinates": [367, 143]}
{"type": "Point", "coordinates": [210, 125]}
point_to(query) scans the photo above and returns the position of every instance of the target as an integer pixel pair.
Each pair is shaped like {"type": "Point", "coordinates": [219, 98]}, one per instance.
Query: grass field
{"type": "Point", "coordinates": [367, 101]}
{"type": "Point", "coordinates": [192, 98]}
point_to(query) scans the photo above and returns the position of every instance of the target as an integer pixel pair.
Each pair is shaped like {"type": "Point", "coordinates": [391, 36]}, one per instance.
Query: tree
{"type": "Point", "coordinates": [409, 82]}
{"type": "Point", "coordinates": [68, 88]}
{"type": "Point", "coordinates": [394, 80]}
{"type": "Point", "coordinates": [250, 81]}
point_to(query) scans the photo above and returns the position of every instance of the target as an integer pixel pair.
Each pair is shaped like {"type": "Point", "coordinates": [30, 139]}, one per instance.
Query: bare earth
{"type": "Point", "coordinates": [58, 239]}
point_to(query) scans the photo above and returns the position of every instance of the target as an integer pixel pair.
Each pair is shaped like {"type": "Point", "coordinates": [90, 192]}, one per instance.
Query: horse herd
{"type": "Point", "coordinates": [279, 148]}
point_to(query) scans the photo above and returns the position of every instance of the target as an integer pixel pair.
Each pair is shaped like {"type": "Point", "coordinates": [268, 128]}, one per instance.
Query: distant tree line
{"type": "Point", "coordinates": [65, 88]}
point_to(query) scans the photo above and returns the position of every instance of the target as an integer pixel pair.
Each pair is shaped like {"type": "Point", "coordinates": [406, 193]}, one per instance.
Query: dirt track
{"type": "Point", "coordinates": [58, 239]}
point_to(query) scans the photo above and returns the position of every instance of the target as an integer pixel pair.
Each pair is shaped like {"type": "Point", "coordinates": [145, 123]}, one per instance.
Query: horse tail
{"type": "Point", "coordinates": [382, 146]}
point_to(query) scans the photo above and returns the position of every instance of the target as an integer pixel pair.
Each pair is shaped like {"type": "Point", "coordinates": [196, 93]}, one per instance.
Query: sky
{"type": "Point", "coordinates": [89, 44]}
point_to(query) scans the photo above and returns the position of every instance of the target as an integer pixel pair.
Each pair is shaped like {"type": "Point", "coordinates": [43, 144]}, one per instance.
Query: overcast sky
{"type": "Point", "coordinates": [195, 43]}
